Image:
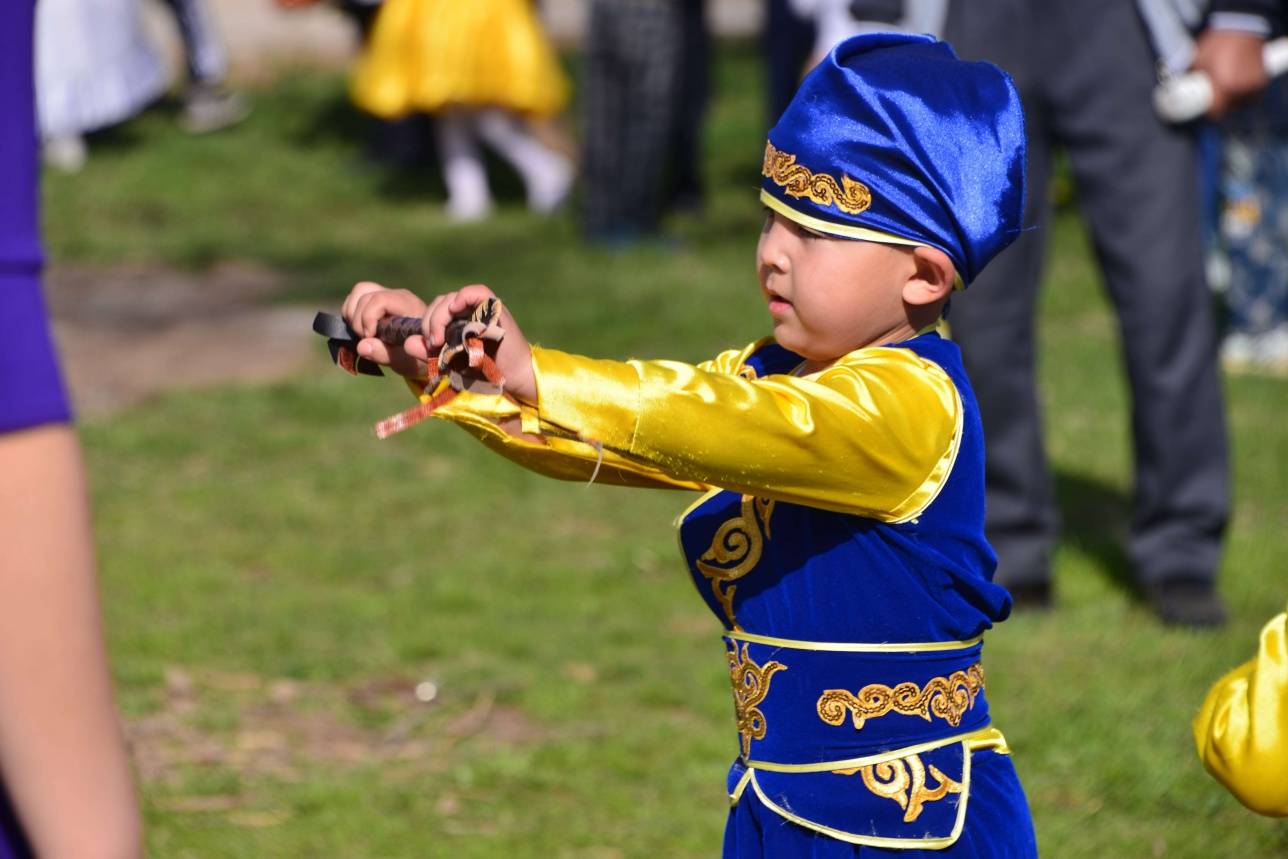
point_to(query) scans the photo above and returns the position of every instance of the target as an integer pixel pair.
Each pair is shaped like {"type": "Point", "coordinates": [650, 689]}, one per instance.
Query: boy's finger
{"type": "Point", "coordinates": [468, 296]}
{"type": "Point", "coordinates": [429, 314]}
{"type": "Point", "coordinates": [375, 350]}
{"type": "Point", "coordinates": [359, 290]}
{"type": "Point", "coordinates": [375, 307]}
{"type": "Point", "coordinates": [416, 347]}
{"type": "Point", "coordinates": [436, 320]}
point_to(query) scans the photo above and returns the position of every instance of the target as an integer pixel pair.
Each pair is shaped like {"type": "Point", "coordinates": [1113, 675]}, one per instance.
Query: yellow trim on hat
{"type": "Point", "coordinates": [845, 231]}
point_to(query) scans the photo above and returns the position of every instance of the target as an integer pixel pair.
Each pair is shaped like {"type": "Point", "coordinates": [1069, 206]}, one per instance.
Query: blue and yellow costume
{"type": "Point", "coordinates": [840, 539]}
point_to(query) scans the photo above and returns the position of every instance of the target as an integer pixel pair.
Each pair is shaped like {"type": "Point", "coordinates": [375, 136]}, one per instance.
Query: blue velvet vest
{"type": "Point", "coordinates": [853, 644]}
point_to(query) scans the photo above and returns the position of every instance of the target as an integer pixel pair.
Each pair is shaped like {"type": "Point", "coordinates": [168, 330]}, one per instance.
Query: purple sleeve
{"type": "Point", "coordinates": [31, 387]}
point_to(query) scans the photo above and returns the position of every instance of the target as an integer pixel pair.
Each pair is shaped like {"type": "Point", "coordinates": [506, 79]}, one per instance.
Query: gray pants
{"type": "Point", "coordinates": [1085, 71]}
{"type": "Point", "coordinates": [202, 49]}
{"type": "Point", "coordinates": [632, 71]}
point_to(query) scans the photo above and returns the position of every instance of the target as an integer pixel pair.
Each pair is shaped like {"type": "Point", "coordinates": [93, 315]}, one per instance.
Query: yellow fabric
{"type": "Point", "coordinates": [493, 420]}
{"type": "Point", "coordinates": [1242, 729]}
{"type": "Point", "coordinates": [425, 55]}
{"type": "Point", "coordinates": [875, 434]}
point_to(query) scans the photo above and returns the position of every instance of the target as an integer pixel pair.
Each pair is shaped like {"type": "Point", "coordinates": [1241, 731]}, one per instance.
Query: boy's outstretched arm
{"type": "Point", "coordinates": [507, 425]}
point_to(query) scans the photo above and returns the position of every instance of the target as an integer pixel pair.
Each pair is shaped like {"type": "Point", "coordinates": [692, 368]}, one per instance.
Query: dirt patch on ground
{"type": "Point", "coordinates": [127, 333]}
{"type": "Point", "coordinates": [281, 728]}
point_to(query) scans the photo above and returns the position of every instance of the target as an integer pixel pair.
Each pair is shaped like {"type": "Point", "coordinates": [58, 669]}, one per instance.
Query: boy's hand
{"type": "Point", "coordinates": [368, 303]}
{"type": "Point", "coordinates": [513, 356]}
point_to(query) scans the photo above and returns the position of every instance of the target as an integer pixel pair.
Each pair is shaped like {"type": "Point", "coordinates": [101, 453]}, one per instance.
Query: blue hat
{"type": "Point", "coordinates": [893, 139]}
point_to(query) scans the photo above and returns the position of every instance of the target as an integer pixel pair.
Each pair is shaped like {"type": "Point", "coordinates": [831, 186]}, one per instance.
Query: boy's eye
{"type": "Point", "coordinates": [769, 219]}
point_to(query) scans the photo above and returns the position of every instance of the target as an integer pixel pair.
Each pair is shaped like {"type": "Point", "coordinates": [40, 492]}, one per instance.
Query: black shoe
{"type": "Point", "coordinates": [1031, 596]}
{"type": "Point", "coordinates": [1187, 602]}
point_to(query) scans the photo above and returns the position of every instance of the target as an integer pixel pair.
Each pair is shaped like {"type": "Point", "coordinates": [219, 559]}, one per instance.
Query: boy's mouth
{"type": "Point", "coordinates": [777, 304]}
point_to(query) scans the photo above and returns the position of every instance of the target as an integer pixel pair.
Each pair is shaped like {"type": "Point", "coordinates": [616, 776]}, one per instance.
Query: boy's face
{"type": "Point", "coordinates": [829, 296]}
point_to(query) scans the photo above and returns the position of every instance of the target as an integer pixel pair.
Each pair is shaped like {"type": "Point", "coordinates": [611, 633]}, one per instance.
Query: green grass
{"type": "Point", "coordinates": [277, 582]}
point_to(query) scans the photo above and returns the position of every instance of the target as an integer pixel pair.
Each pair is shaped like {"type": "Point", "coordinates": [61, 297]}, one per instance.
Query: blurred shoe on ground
{"type": "Point", "coordinates": [67, 152]}
{"type": "Point", "coordinates": [208, 109]}
{"type": "Point", "coordinates": [1187, 602]}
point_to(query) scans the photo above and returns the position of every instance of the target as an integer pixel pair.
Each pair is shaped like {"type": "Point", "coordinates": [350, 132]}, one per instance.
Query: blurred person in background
{"type": "Point", "coordinates": [632, 91]}
{"type": "Point", "coordinates": [1253, 228]}
{"type": "Point", "coordinates": [1086, 71]}
{"type": "Point", "coordinates": [483, 69]}
{"type": "Point", "coordinates": [95, 67]}
{"type": "Point", "coordinates": [837, 20]}
{"type": "Point", "coordinates": [63, 759]}
{"type": "Point", "coordinates": [207, 104]}
{"type": "Point", "coordinates": [685, 188]}
{"type": "Point", "coordinates": [787, 41]}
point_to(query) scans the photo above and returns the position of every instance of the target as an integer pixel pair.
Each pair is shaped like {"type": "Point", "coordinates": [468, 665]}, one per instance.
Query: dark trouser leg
{"type": "Point", "coordinates": [603, 98]}
{"type": "Point", "coordinates": [994, 323]}
{"type": "Point", "coordinates": [788, 40]}
{"type": "Point", "coordinates": [651, 53]}
{"type": "Point", "coordinates": [1136, 183]}
{"type": "Point", "coordinates": [203, 53]}
{"type": "Point", "coordinates": [632, 63]}
{"type": "Point", "coordinates": [692, 90]}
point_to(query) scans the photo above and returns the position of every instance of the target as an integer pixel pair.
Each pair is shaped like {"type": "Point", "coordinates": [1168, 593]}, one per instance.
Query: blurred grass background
{"type": "Point", "coordinates": [277, 582]}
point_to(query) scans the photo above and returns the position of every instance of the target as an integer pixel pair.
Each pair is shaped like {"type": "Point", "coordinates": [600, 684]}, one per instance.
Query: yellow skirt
{"type": "Point", "coordinates": [427, 55]}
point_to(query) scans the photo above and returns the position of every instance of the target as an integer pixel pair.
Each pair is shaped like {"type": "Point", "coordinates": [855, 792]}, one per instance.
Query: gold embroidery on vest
{"type": "Point", "coordinates": [904, 781]}
{"type": "Point", "coordinates": [750, 686]}
{"type": "Point", "coordinates": [735, 550]}
{"type": "Point", "coordinates": [947, 697]}
{"type": "Point", "coordinates": [798, 181]}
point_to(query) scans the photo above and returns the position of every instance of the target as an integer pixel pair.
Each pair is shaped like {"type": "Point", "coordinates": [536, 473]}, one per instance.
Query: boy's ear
{"type": "Point", "coordinates": [932, 279]}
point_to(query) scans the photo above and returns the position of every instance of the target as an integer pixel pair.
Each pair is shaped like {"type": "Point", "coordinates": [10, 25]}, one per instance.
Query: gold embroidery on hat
{"type": "Point", "coordinates": [735, 550]}
{"type": "Point", "coordinates": [947, 697]}
{"type": "Point", "coordinates": [750, 686]}
{"type": "Point", "coordinates": [904, 781]}
{"type": "Point", "coordinates": [797, 180]}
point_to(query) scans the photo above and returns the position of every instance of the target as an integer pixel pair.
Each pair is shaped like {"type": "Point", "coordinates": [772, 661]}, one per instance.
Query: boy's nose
{"type": "Point", "coordinates": [771, 250]}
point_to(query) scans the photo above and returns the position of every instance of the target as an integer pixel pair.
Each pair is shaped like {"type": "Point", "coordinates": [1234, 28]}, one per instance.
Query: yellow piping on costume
{"type": "Point", "coordinates": [845, 231]}
{"type": "Point", "coordinates": [986, 738]}
{"type": "Point", "coordinates": [851, 647]}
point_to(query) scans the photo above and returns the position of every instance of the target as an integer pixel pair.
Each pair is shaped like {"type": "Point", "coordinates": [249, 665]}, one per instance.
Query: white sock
{"type": "Point", "coordinates": [468, 197]}
{"type": "Point", "coordinates": [546, 174]}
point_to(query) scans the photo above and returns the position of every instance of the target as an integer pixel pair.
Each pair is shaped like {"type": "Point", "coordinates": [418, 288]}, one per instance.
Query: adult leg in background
{"type": "Point", "coordinates": [1138, 192]}
{"type": "Point", "coordinates": [994, 322]}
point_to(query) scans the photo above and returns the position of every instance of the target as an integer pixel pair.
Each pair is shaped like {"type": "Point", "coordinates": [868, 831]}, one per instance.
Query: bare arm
{"type": "Point", "coordinates": [61, 749]}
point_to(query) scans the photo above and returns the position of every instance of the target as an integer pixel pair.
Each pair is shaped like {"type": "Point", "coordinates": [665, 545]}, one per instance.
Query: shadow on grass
{"type": "Point", "coordinates": [1096, 516]}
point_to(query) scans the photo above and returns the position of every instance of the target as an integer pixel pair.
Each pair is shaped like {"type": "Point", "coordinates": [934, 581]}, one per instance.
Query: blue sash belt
{"type": "Point", "coordinates": [869, 743]}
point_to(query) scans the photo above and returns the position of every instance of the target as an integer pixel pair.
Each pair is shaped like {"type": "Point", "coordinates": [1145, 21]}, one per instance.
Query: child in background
{"type": "Point", "coordinates": [840, 540]}
{"type": "Point", "coordinates": [482, 68]}
{"type": "Point", "coordinates": [95, 67]}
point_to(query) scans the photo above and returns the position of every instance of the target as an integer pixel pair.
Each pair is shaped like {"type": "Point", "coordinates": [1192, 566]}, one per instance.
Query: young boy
{"type": "Point", "coordinates": [840, 540]}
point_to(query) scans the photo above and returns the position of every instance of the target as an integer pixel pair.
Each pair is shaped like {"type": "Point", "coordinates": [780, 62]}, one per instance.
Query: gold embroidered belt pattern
{"type": "Point", "coordinates": [750, 686]}
{"type": "Point", "coordinates": [947, 697]}
{"type": "Point", "coordinates": [904, 781]}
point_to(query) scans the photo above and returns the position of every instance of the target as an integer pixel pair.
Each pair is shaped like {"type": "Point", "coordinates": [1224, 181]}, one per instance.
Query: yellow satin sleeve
{"type": "Point", "coordinates": [1242, 729]}
{"type": "Point", "coordinates": [515, 431]}
{"type": "Point", "coordinates": [875, 434]}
